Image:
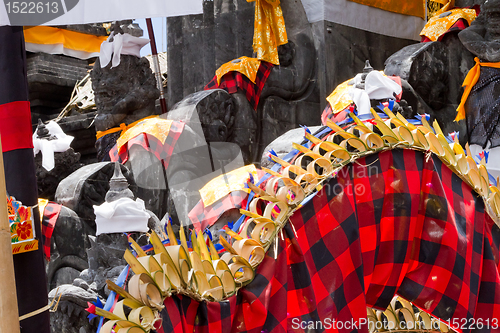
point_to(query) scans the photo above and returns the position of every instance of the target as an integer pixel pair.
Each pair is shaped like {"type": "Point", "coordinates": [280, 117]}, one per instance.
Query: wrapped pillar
{"type": "Point", "coordinates": [19, 166]}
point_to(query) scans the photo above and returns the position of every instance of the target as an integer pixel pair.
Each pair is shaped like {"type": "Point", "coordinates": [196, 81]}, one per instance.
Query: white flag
{"type": "Point", "coordinates": [62, 12]}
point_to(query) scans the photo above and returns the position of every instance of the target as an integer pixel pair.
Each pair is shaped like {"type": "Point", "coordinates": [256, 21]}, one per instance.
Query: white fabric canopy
{"type": "Point", "coordinates": [93, 11]}
{"type": "Point", "coordinates": [364, 17]}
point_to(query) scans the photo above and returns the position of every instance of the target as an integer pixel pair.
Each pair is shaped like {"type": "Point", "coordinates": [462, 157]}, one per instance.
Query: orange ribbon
{"type": "Point", "coordinates": [122, 128]}
{"type": "Point", "coordinates": [470, 81]}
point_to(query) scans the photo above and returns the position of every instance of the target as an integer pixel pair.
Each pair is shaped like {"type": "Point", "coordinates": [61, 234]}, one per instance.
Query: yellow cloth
{"type": "Point", "coordinates": [246, 66]}
{"type": "Point", "coordinates": [447, 4]}
{"type": "Point", "coordinates": [269, 30]}
{"type": "Point", "coordinates": [155, 126]}
{"type": "Point", "coordinates": [444, 2]}
{"type": "Point", "coordinates": [470, 81]}
{"type": "Point", "coordinates": [222, 185]}
{"type": "Point", "coordinates": [42, 203]}
{"type": "Point", "coordinates": [339, 99]}
{"type": "Point", "coordinates": [122, 128]}
{"type": "Point", "coordinates": [406, 7]}
{"type": "Point", "coordinates": [437, 26]}
{"type": "Point", "coordinates": [70, 39]}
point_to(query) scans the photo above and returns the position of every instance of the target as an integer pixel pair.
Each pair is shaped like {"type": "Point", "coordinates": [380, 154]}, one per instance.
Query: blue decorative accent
{"type": "Point", "coordinates": [209, 234]}
{"type": "Point", "coordinates": [492, 179]}
{"type": "Point", "coordinates": [120, 281]}
{"type": "Point", "coordinates": [238, 223]}
{"type": "Point", "coordinates": [420, 116]}
{"type": "Point", "coordinates": [484, 154]}
{"type": "Point", "coordinates": [391, 104]}
{"type": "Point", "coordinates": [306, 128]}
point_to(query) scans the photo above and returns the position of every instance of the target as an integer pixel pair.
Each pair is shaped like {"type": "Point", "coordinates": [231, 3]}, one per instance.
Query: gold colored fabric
{"type": "Point", "coordinates": [224, 184]}
{"type": "Point", "coordinates": [406, 7]}
{"type": "Point", "coordinates": [447, 5]}
{"type": "Point", "coordinates": [70, 39]}
{"type": "Point", "coordinates": [155, 126]}
{"type": "Point", "coordinates": [122, 128]}
{"type": "Point", "coordinates": [470, 81]}
{"type": "Point", "coordinates": [437, 26]}
{"type": "Point", "coordinates": [42, 203]}
{"type": "Point", "coordinates": [339, 99]}
{"type": "Point", "coordinates": [432, 8]}
{"type": "Point", "coordinates": [269, 30]}
{"type": "Point", "coordinates": [246, 66]}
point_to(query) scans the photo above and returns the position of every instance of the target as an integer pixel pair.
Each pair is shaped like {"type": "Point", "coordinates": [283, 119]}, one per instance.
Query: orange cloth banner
{"type": "Point", "coordinates": [407, 7]}
{"type": "Point", "coordinates": [70, 39]}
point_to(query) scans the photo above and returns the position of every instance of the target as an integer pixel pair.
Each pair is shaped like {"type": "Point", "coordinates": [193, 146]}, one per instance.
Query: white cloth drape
{"type": "Point", "coordinates": [121, 44]}
{"type": "Point", "coordinates": [49, 147]}
{"type": "Point", "coordinates": [377, 86]}
{"type": "Point", "coordinates": [122, 215]}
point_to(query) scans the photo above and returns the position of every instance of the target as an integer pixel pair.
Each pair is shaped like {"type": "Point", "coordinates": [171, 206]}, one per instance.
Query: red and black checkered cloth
{"type": "Point", "coordinates": [231, 81]}
{"type": "Point", "coordinates": [394, 222]}
{"type": "Point", "coordinates": [50, 216]}
{"type": "Point", "coordinates": [162, 151]}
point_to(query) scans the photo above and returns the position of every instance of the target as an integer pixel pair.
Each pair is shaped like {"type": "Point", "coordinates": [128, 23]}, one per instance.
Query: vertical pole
{"type": "Point", "coordinates": [20, 178]}
{"type": "Point", "coordinates": [9, 315]}
{"type": "Point", "coordinates": [156, 64]}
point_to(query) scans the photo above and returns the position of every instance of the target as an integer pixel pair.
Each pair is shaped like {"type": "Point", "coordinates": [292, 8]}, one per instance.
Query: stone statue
{"type": "Point", "coordinates": [482, 38]}
{"type": "Point", "coordinates": [211, 142]}
{"type": "Point", "coordinates": [289, 96]}
{"type": "Point", "coordinates": [123, 94]}
{"type": "Point", "coordinates": [482, 107]}
{"type": "Point", "coordinates": [288, 86]}
{"type": "Point", "coordinates": [84, 264]}
{"type": "Point", "coordinates": [65, 163]}
{"type": "Point", "coordinates": [432, 74]}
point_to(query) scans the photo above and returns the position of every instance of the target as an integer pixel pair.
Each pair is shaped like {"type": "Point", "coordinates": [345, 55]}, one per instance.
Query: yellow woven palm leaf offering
{"type": "Point", "coordinates": [196, 269]}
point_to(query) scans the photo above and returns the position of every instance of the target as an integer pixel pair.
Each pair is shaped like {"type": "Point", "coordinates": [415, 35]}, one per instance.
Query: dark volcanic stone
{"type": "Point", "coordinates": [87, 187]}
{"type": "Point", "coordinates": [47, 181]}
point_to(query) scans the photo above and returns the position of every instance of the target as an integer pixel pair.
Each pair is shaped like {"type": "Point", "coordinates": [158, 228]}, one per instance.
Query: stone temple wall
{"type": "Point", "coordinates": [199, 44]}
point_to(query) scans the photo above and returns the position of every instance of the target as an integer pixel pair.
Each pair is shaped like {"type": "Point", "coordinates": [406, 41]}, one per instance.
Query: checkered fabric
{"type": "Point", "coordinates": [234, 80]}
{"type": "Point", "coordinates": [163, 151]}
{"type": "Point", "coordinates": [203, 218]}
{"type": "Point", "coordinates": [50, 216]}
{"type": "Point", "coordinates": [399, 221]}
{"type": "Point", "coordinates": [329, 115]}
